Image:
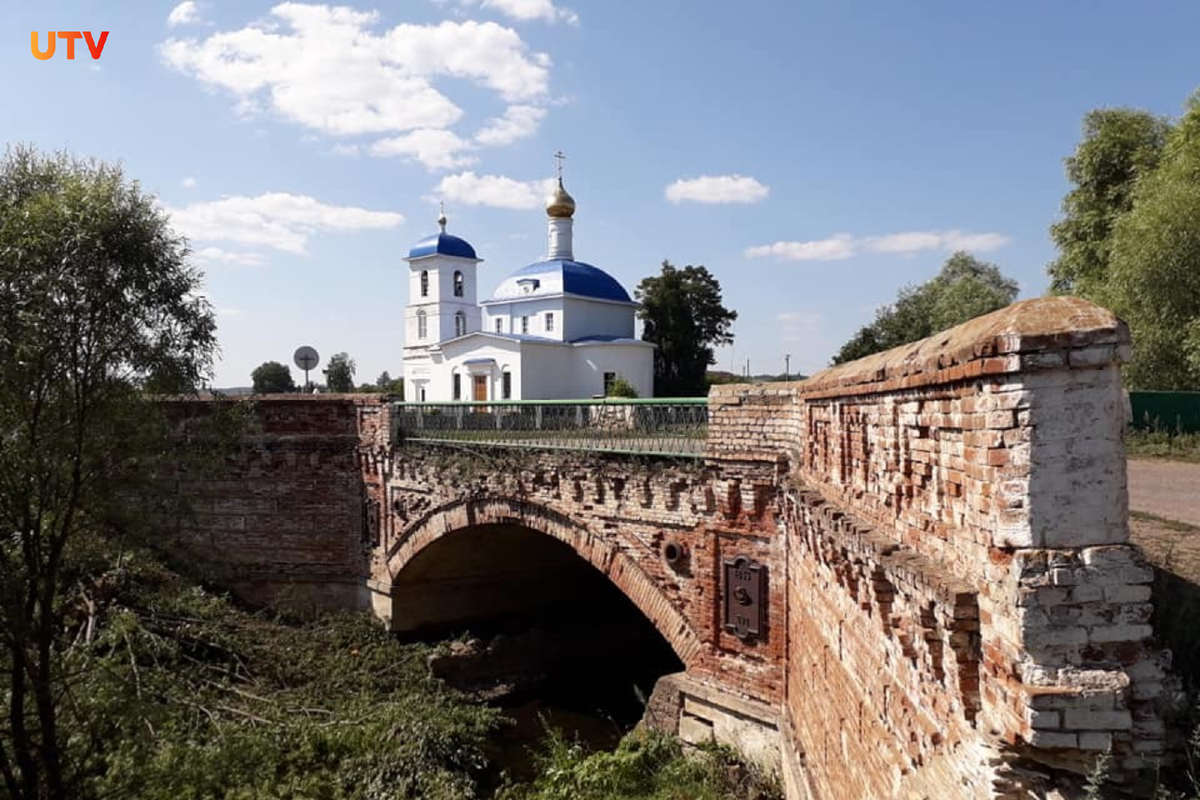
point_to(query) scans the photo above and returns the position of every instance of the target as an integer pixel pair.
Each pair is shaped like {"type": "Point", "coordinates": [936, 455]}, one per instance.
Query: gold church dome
{"type": "Point", "coordinates": [560, 204]}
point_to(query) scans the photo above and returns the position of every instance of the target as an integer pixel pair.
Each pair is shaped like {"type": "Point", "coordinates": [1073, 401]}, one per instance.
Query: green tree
{"type": "Point", "coordinates": [98, 297]}
{"type": "Point", "coordinates": [964, 289]}
{"type": "Point", "coordinates": [683, 315]}
{"type": "Point", "coordinates": [1120, 147]}
{"type": "Point", "coordinates": [271, 377]}
{"type": "Point", "coordinates": [1154, 283]}
{"type": "Point", "coordinates": [339, 375]}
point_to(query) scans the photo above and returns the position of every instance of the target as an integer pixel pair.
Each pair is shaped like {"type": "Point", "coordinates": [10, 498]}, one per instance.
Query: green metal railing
{"type": "Point", "coordinates": [655, 426]}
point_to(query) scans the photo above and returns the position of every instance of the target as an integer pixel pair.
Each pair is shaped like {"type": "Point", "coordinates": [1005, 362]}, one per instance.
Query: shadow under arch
{"type": "Point", "coordinates": [601, 552]}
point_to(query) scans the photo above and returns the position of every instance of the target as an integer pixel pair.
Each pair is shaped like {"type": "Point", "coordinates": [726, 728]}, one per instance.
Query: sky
{"type": "Point", "coordinates": [815, 156]}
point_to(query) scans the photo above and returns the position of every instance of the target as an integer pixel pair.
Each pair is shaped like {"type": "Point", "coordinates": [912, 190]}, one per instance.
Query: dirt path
{"type": "Point", "coordinates": [1168, 489]}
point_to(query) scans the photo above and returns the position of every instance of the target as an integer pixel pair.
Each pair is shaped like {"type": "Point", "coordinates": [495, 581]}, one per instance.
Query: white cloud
{"type": "Point", "coordinates": [328, 69]}
{"type": "Point", "coordinates": [528, 10]}
{"type": "Point", "coordinates": [209, 255]}
{"type": "Point", "coordinates": [436, 149]}
{"type": "Point", "coordinates": [497, 191]}
{"type": "Point", "coordinates": [717, 189]}
{"type": "Point", "coordinates": [796, 326]}
{"type": "Point", "coordinates": [518, 122]}
{"type": "Point", "coordinates": [278, 220]}
{"type": "Point", "coordinates": [188, 183]}
{"type": "Point", "coordinates": [832, 249]}
{"type": "Point", "coordinates": [843, 245]}
{"type": "Point", "coordinates": [917, 241]}
{"type": "Point", "coordinates": [186, 13]}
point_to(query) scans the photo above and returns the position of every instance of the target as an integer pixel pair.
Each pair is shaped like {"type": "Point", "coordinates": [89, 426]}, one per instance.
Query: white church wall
{"type": "Point", "coordinates": [592, 318]}
{"type": "Point", "coordinates": [634, 363]}
{"type": "Point", "coordinates": [547, 373]}
{"type": "Point", "coordinates": [536, 310]}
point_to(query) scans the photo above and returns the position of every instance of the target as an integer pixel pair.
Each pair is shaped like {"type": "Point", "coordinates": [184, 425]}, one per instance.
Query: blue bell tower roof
{"type": "Point", "coordinates": [442, 244]}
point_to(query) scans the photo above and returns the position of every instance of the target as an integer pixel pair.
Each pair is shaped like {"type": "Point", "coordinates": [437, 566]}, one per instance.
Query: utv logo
{"type": "Point", "coordinates": [94, 47]}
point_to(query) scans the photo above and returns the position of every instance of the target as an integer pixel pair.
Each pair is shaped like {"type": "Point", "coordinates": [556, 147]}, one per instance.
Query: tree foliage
{"type": "Point", "coordinates": [1154, 283]}
{"type": "Point", "coordinates": [1130, 236]}
{"type": "Point", "coordinates": [684, 316]}
{"type": "Point", "coordinates": [98, 297]}
{"type": "Point", "coordinates": [965, 288]}
{"type": "Point", "coordinates": [339, 375]}
{"type": "Point", "coordinates": [1120, 146]}
{"type": "Point", "coordinates": [271, 377]}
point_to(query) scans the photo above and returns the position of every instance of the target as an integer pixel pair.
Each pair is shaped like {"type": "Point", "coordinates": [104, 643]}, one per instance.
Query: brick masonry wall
{"type": "Point", "coordinates": [960, 579]}
{"type": "Point", "coordinates": [280, 522]}
{"type": "Point", "coordinates": [617, 514]}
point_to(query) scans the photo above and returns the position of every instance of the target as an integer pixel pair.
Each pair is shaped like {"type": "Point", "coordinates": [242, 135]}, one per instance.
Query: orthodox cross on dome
{"type": "Point", "coordinates": [560, 157]}
{"type": "Point", "coordinates": [442, 216]}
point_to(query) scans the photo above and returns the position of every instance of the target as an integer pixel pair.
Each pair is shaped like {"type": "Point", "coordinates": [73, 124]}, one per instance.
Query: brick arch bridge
{"type": "Point", "coordinates": [607, 556]}
{"type": "Point", "coordinates": [945, 602]}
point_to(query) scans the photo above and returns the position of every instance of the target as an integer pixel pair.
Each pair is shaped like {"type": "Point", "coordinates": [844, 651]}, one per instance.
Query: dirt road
{"type": "Point", "coordinates": [1168, 489]}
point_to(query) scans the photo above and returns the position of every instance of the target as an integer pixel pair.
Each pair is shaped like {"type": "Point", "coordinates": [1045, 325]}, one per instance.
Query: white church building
{"type": "Point", "coordinates": [556, 329]}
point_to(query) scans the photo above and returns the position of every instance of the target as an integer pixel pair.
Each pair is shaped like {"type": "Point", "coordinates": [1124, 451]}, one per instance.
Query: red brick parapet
{"type": "Point", "coordinates": [991, 456]}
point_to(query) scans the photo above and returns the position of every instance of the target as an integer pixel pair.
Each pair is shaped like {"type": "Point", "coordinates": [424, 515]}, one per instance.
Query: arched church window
{"type": "Point", "coordinates": [460, 324]}
{"type": "Point", "coordinates": [422, 325]}
{"type": "Point", "coordinates": [458, 284]}
{"type": "Point", "coordinates": [424, 283]}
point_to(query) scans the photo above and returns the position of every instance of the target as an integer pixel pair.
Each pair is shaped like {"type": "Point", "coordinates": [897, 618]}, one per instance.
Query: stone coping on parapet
{"type": "Point", "coordinates": [1028, 336]}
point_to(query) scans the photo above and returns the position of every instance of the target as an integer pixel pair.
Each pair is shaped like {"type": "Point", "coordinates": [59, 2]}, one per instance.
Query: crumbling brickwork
{"type": "Point", "coordinates": [960, 580]}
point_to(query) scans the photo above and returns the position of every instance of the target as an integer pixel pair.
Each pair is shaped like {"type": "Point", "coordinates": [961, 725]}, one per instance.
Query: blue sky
{"type": "Point", "coordinates": [815, 156]}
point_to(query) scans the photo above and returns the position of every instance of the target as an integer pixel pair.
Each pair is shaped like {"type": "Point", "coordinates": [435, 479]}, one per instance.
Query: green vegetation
{"type": "Point", "coordinates": [683, 315]}
{"type": "Point", "coordinates": [1128, 237]}
{"type": "Point", "coordinates": [964, 289]}
{"type": "Point", "coordinates": [99, 302]}
{"type": "Point", "coordinates": [339, 375]}
{"type": "Point", "coordinates": [182, 695]}
{"type": "Point", "coordinates": [1158, 443]}
{"type": "Point", "coordinates": [622, 388]}
{"type": "Point", "coordinates": [271, 377]}
{"type": "Point", "coordinates": [645, 766]}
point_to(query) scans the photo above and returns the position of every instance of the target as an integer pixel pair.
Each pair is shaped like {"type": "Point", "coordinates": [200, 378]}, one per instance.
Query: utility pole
{"type": "Point", "coordinates": [787, 367]}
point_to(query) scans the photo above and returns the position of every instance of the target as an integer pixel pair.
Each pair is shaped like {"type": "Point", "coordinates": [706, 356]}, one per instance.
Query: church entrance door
{"type": "Point", "coordinates": [480, 388]}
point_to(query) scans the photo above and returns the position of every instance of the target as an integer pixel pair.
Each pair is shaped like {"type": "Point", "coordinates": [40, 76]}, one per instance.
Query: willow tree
{"type": "Point", "coordinates": [98, 300]}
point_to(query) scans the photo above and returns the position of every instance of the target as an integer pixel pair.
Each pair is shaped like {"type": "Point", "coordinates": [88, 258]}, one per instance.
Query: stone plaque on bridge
{"type": "Point", "coordinates": [745, 596]}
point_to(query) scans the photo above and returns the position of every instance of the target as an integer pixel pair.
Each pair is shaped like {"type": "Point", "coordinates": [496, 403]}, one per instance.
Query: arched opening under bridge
{"type": "Point", "coordinates": [537, 628]}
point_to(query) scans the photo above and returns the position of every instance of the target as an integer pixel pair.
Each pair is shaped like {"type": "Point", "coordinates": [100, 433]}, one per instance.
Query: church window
{"type": "Point", "coordinates": [422, 325]}
{"type": "Point", "coordinates": [458, 284]}
{"type": "Point", "coordinates": [460, 324]}
{"type": "Point", "coordinates": [424, 283]}
{"type": "Point", "coordinates": [499, 325]}
{"type": "Point", "coordinates": [524, 324]}
{"type": "Point", "coordinates": [609, 379]}
{"type": "Point", "coordinates": [549, 322]}
{"type": "Point", "coordinates": [506, 385]}
{"type": "Point", "coordinates": [457, 386]}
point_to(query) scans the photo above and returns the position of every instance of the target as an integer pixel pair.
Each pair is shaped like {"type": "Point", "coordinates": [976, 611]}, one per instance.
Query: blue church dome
{"type": "Point", "coordinates": [560, 276]}
{"type": "Point", "coordinates": [442, 244]}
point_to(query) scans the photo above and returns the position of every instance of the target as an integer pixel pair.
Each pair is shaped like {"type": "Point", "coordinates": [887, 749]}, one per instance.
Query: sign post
{"type": "Point", "coordinates": [306, 358]}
